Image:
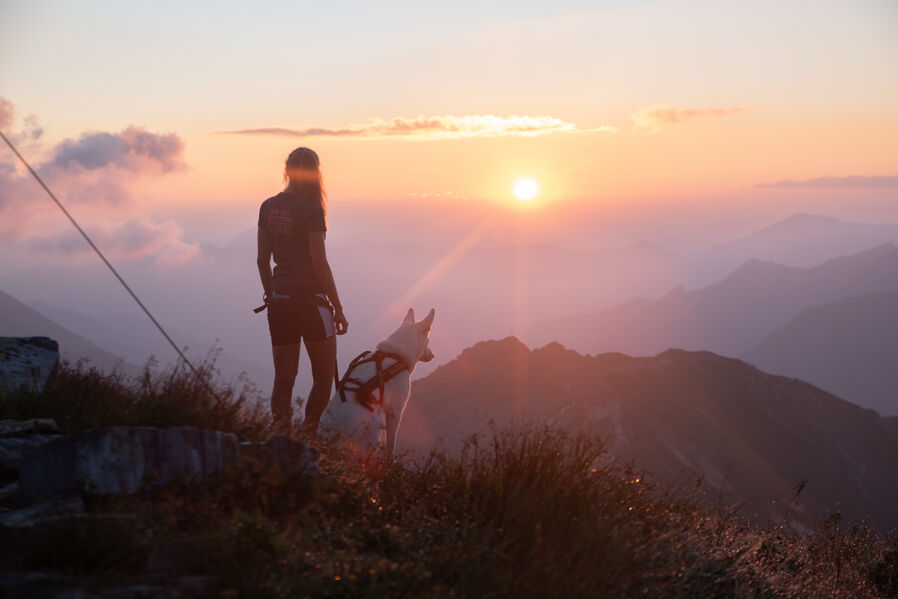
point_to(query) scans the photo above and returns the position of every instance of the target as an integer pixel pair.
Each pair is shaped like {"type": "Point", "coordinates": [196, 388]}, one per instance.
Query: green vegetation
{"type": "Point", "coordinates": [526, 513]}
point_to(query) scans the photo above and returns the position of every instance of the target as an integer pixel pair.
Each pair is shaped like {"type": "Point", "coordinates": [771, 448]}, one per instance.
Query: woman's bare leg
{"type": "Point", "coordinates": [323, 356]}
{"type": "Point", "coordinates": [286, 365]}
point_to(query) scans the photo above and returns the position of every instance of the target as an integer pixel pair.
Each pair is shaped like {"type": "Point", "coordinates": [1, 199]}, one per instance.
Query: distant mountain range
{"type": "Point", "coordinates": [848, 347]}
{"type": "Point", "coordinates": [18, 320]}
{"type": "Point", "coordinates": [801, 240]}
{"type": "Point", "coordinates": [728, 317]}
{"type": "Point", "coordinates": [756, 438]}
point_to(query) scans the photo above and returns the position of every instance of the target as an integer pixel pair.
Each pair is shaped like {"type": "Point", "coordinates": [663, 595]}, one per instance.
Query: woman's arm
{"type": "Point", "coordinates": [326, 278]}
{"type": "Point", "coordinates": [263, 261]}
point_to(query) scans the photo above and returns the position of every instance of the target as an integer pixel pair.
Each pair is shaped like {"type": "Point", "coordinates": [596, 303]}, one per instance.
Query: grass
{"type": "Point", "coordinates": [523, 513]}
{"type": "Point", "coordinates": [79, 397]}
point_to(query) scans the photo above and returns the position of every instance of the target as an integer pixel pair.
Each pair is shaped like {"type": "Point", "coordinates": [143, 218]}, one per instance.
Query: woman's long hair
{"type": "Point", "coordinates": [302, 175]}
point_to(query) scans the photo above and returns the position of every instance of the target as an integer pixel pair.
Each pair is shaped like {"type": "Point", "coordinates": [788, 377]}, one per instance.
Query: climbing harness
{"type": "Point", "coordinates": [364, 390]}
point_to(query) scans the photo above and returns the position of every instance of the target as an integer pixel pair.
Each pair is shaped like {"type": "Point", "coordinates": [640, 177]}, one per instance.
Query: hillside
{"type": "Point", "coordinates": [524, 513]}
{"type": "Point", "coordinates": [846, 347]}
{"type": "Point", "coordinates": [752, 435]}
{"type": "Point", "coordinates": [728, 317]}
{"type": "Point", "coordinates": [18, 320]}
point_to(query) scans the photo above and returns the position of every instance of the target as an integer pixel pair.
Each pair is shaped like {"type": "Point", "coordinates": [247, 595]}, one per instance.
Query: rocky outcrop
{"type": "Point", "coordinates": [123, 460]}
{"type": "Point", "coordinates": [44, 522]}
{"type": "Point", "coordinates": [9, 428]}
{"type": "Point", "coordinates": [13, 450]}
{"type": "Point", "coordinates": [27, 362]}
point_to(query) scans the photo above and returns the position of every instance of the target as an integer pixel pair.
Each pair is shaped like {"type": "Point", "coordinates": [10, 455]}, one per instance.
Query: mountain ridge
{"type": "Point", "coordinates": [753, 436]}
{"type": "Point", "coordinates": [727, 317]}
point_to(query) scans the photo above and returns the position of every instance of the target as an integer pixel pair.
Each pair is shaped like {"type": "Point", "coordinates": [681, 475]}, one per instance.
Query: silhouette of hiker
{"type": "Point", "coordinates": [303, 304]}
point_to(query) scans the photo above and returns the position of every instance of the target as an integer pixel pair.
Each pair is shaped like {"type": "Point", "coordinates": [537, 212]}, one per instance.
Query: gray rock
{"type": "Point", "coordinates": [13, 450]}
{"type": "Point", "coordinates": [9, 428]}
{"type": "Point", "coordinates": [31, 515]}
{"type": "Point", "coordinates": [27, 362]}
{"type": "Point", "coordinates": [119, 460]}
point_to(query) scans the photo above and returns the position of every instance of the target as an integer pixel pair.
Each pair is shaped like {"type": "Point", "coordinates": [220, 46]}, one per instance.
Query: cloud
{"type": "Point", "coordinates": [133, 149]}
{"type": "Point", "coordinates": [31, 131]}
{"type": "Point", "coordinates": [852, 181]}
{"type": "Point", "coordinates": [435, 127]}
{"type": "Point", "coordinates": [655, 117]}
{"type": "Point", "coordinates": [132, 238]}
{"type": "Point", "coordinates": [95, 174]}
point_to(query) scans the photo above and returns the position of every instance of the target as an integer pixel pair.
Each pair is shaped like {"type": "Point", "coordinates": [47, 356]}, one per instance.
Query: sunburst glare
{"type": "Point", "coordinates": [525, 189]}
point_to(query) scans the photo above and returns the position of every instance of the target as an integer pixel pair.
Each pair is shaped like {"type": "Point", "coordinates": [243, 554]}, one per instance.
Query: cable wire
{"type": "Point", "coordinates": [100, 254]}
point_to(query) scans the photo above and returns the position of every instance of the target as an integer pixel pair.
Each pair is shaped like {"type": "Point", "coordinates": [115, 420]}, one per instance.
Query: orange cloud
{"type": "Point", "coordinates": [655, 117]}
{"type": "Point", "coordinates": [435, 127]}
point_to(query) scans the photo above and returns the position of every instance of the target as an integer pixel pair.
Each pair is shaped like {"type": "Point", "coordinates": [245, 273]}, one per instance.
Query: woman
{"type": "Point", "coordinates": [302, 299]}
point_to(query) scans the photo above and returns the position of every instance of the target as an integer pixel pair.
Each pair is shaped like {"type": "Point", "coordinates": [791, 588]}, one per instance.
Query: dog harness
{"type": "Point", "coordinates": [364, 390]}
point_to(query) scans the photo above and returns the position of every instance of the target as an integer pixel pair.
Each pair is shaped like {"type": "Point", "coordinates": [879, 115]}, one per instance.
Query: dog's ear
{"type": "Point", "coordinates": [409, 316]}
{"type": "Point", "coordinates": [428, 321]}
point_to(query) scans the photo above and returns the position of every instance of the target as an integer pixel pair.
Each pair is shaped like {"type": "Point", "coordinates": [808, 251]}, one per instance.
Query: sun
{"type": "Point", "coordinates": [525, 189]}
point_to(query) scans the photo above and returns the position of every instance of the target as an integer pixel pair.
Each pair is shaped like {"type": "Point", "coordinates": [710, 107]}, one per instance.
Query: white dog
{"type": "Point", "coordinates": [377, 385]}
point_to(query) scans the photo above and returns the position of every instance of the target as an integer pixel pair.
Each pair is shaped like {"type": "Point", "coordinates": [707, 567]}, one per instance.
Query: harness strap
{"type": "Point", "coordinates": [363, 389]}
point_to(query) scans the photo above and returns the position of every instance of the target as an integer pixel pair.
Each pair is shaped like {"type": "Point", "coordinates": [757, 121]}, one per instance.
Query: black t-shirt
{"type": "Point", "coordinates": [288, 218]}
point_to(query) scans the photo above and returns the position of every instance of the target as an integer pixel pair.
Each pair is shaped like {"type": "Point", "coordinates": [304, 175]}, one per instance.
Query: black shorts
{"type": "Point", "coordinates": [293, 318]}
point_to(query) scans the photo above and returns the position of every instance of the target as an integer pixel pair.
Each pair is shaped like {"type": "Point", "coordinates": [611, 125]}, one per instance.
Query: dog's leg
{"type": "Point", "coordinates": [392, 427]}
{"type": "Point", "coordinates": [394, 405]}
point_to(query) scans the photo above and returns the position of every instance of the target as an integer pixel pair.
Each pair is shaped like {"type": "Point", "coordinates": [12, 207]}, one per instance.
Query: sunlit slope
{"type": "Point", "coordinates": [753, 436]}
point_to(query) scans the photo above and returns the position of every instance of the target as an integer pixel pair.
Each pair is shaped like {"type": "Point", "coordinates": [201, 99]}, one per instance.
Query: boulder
{"type": "Point", "coordinates": [29, 516]}
{"type": "Point", "coordinates": [13, 450]}
{"type": "Point", "coordinates": [9, 428]}
{"type": "Point", "coordinates": [117, 460]}
{"type": "Point", "coordinates": [27, 362]}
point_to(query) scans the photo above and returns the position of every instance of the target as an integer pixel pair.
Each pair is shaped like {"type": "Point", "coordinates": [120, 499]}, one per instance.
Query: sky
{"type": "Point", "coordinates": [629, 111]}
{"type": "Point", "coordinates": [682, 123]}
